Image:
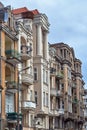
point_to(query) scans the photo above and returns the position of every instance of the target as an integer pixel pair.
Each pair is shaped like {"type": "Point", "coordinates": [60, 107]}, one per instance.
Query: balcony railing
{"type": "Point", "coordinates": [13, 57]}
{"type": "Point", "coordinates": [58, 112]}
{"type": "Point", "coordinates": [14, 116]}
{"type": "Point", "coordinates": [12, 53]}
{"type": "Point", "coordinates": [55, 92]}
{"type": "Point", "coordinates": [60, 75]}
{"type": "Point", "coordinates": [12, 86]}
{"type": "Point", "coordinates": [26, 52]}
{"type": "Point", "coordinates": [28, 105]}
{"type": "Point", "coordinates": [61, 111]}
{"type": "Point", "coordinates": [27, 78]}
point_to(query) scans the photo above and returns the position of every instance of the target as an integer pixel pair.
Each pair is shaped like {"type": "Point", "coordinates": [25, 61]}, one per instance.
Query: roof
{"type": "Point", "coordinates": [35, 11]}
{"type": "Point", "coordinates": [19, 10]}
{"type": "Point", "coordinates": [23, 10]}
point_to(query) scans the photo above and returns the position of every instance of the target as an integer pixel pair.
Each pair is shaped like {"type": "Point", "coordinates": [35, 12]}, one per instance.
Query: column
{"type": "Point", "coordinates": [39, 40]}
{"type": "Point", "coordinates": [45, 50]}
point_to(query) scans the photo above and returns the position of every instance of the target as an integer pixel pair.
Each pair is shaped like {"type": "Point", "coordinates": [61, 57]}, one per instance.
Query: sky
{"type": "Point", "coordinates": [68, 23]}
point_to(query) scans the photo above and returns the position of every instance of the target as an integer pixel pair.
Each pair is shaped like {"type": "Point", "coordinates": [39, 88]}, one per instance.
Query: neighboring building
{"type": "Point", "coordinates": [85, 109]}
{"type": "Point", "coordinates": [39, 28]}
{"type": "Point", "coordinates": [23, 26]}
{"type": "Point", "coordinates": [42, 83]}
{"type": "Point", "coordinates": [18, 102]}
{"type": "Point", "coordinates": [66, 89]}
{"type": "Point", "coordinates": [41, 70]}
{"type": "Point", "coordinates": [9, 59]}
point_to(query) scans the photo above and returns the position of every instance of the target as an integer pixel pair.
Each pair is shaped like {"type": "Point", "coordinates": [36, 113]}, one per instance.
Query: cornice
{"type": "Point", "coordinates": [43, 20]}
{"type": "Point", "coordinates": [8, 31]}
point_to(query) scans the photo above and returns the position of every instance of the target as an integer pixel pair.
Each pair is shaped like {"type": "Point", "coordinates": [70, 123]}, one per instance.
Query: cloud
{"type": "Point", "coordinates": [68, 21]}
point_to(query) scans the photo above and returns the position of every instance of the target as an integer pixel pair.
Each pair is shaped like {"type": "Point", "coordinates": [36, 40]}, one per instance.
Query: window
{"type": "Point", "coordinates": [30, 95]}
{"type": "Point", "coordinates": [69, 73]}
{"type": "Point", "coordinates": [61, 53]}
{"type": "Point", "coordinates": [64, 53]}
{"type": "Point", "coordinates": [43, 75]}
{"type": "Point", "coordinates": [69, 107]}
{"type": "Point", "coordinates": [36, 97]}
{"type": "Point", "coordinates": [46, 77]}
{"type": "Point", "coordinates": [35, 74]}
{"type": "Point", "coordinates": [62, 87]}
{"type": "Point", "coordinates": [9, 106]}
{"type": "Point", "coordinates": [31, 120]}
{"type": "Point", "coordinates": [6, 18]}
{"type": "Point", "coordinates": [9, 22]}
{"type": "Point", "coordinates": [69, 90]}
{"type": "Point", "coordinates": [62, 104]}
{"type": "Point", "coordinates": [44, 98]}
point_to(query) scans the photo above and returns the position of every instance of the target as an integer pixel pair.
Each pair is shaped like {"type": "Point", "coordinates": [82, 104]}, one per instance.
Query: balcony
{"type": "Point", "coordinates": [28, 105]}
{"type": "Point", "coordinates": [55, 92]}
{"type": "Point", "coordinates": [12, 86]}
{"type": "Point", "coordinates": [58, 112]}
{"type": "Point", "coordinates": [61, 111]}
{"type": "Point", "coordinates": [14, 116]}
{"type": "Point", "coordinates": [59, 93]}
{"type": "Point", "coordinates": [27, 78]}
{"type": "Point", "coordinates": [60, 75]}
{"type": "Point", "coordinates": [26, 52]}
{"type": "Point", "coordinates": [12, 56]}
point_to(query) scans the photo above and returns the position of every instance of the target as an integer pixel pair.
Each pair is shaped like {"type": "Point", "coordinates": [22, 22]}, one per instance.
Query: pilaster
{"type": "Point", "coordinates": [39, 40]}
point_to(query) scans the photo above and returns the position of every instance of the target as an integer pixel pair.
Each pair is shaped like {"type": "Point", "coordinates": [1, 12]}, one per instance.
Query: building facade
{"type": "Point", "coordinates": [9, 59]}
{"type": "Point", "coordinates": [23, 25]}
{"type": "Point", "coordinates": [85, 109]}
{"type": "Point", "coordinates": [66, 89]}
{"type": "Point", "coordinates": [42, 86]}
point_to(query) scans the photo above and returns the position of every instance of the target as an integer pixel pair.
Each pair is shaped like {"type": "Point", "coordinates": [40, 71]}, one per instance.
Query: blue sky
{"type": "Point", "coordinates": [68, 23]}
